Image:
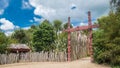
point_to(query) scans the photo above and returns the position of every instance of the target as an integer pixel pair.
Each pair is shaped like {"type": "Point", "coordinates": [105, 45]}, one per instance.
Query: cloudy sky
{"type": "Point", "coordinates": [16, 14]}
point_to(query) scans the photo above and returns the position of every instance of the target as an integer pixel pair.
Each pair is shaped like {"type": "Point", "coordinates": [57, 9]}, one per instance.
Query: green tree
{"type": "Point", "coordinates": [12, 40]}
{"type": "Point", "coordinates": [3, 42]}
{"type": "Point", "coordinates": [65, 26]}
{"type": "Point", "coordinates": [106, 43]}
{"type": "Point", "coordinates": [20, 36]}
{"type": "Point", "coordinates": [61, 42]}
{"type": "Point", "coordinates": [115, 4]}
{"type": "Point", "coordinates": [44, 37]}
{"type": "Point", "coordinates": [57, 25]}
{"type": "Point", "coordinates": [61, 37]}
{"type": "Point", "coordinates": [29, 34]}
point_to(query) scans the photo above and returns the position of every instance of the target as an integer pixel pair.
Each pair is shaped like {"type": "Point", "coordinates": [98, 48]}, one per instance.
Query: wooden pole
{"type": "Point", "coordinates": [90, 35]}
{"type": "Point", "coordinates": [69, 41]}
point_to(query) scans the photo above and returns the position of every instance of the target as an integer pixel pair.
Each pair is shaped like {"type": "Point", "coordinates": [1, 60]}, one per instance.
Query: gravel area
{"type": "Point", "coordinates": [82, 63]}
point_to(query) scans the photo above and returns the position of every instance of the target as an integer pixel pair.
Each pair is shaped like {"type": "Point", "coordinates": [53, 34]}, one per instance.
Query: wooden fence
{"type": "Point", "coordinates": [79, 49]}
{"type": "Point", "coordinates": [33, 57]}
{"type": "Point", "coordinates": [79, 45]}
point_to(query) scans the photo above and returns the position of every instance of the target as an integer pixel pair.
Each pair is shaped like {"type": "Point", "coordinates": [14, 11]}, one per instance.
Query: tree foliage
{"type": "Point", "coordinates": [20, 36]}
{"type": "Point", "coordinates": [115, 4]}
{"type": "Point", "coordinates": [3, 42]}
{"type": "Point", "coordinates": [107, 40]}
{"type": "Point", "coordinates": [44, 37]}
{"type": "Point", "coordinates": [29, 35]}
{"type": "Point", "coordinates": [57, 25]}
{"type": "Point", "coordinates": [61, 42]}
{"type": "Point", "coordinates": [65, 26]}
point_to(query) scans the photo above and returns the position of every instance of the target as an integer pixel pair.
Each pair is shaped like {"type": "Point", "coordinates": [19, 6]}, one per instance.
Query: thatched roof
{"type": "Point", "coordinates": [18, 47]}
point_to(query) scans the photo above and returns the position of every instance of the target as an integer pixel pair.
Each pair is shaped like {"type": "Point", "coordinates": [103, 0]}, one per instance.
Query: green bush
{"type": "Point", "coordinates": [43, 37]}
{"type": "Point", "coordinates": [106, 42]}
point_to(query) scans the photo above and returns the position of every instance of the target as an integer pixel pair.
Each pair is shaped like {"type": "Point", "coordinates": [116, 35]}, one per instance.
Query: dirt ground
{"type": "Point", "coordinates": [82, 63]}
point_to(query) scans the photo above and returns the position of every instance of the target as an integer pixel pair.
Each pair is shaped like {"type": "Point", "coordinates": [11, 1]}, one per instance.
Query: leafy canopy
{"type": "Point", "coordinates": [107, 40]}
{"type": "Point", "coordinates": [20, 36]}
{"type": "Point", "coordinates": [44, 37]}
{"type": "Point", "coordinates": [3, 42]}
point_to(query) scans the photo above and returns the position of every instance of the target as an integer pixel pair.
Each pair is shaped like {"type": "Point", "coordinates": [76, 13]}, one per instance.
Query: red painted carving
{"type": "Point", "coordinates": [89, 27]}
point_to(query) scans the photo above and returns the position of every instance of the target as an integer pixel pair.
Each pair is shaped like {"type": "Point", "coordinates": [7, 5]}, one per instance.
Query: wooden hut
{"type": "Point", "coordinates": [18, 48]}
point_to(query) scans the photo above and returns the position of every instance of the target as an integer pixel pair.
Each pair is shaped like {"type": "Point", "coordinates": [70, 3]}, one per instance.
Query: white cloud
{"type": "Point", "coordinates": [83, 24]}
{"type": "Point", "coordinates": [7, 25]}
{"type": "Point", "coordinates": [73, 25]}
{"type": "Point", "coordinates": [26, 5]}
{"type": "Point", "coordinates": [8, 33]}
{"type": "Point", "coordinates": [38, 19]}
{"type": "Point", "coordinates": [17, 27]}
{"type": "Point", "coordinates": [3, 4]}
{"type": "Point", "coordinates": [52, 9]}
{"type": "Point", "coordinates": [45, 12]}
{"type": "Point", "coordinates": [26, 28]}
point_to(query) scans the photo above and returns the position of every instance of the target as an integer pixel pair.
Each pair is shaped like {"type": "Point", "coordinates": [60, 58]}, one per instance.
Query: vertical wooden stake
{"type": "Point", "coordinates": [90, 35]}
{"type": "Point", "coordinates": [69, 41]}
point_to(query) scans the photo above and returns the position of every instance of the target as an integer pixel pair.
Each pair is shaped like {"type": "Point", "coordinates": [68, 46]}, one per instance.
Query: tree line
{"type": "Point", "coordinates": [46, 36]}
{"type": "Point", "coordinates": [106, 40]}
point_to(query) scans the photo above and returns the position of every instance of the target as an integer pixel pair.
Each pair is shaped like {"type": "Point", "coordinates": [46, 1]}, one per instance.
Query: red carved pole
{"type": "Point", "coordinates": [69, 30]}
{"type": "Point", "coordinates": [90, 35]}
{"type": "Point", "coordinates": [88, 51]}
{"type": "Point", "coordinates": [69, 40]}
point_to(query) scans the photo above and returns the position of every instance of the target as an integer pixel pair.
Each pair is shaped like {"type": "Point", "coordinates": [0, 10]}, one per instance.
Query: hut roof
{"type": "Point", "coordinates": [18, 46]}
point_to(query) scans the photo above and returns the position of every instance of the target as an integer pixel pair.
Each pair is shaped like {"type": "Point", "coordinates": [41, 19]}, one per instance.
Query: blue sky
{"type": "Point", "coordinates": [16, 14]}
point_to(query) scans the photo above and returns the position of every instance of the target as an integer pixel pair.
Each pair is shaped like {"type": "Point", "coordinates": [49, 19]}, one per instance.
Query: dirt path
{"type": "Point", "coordinates": [82, 63]}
